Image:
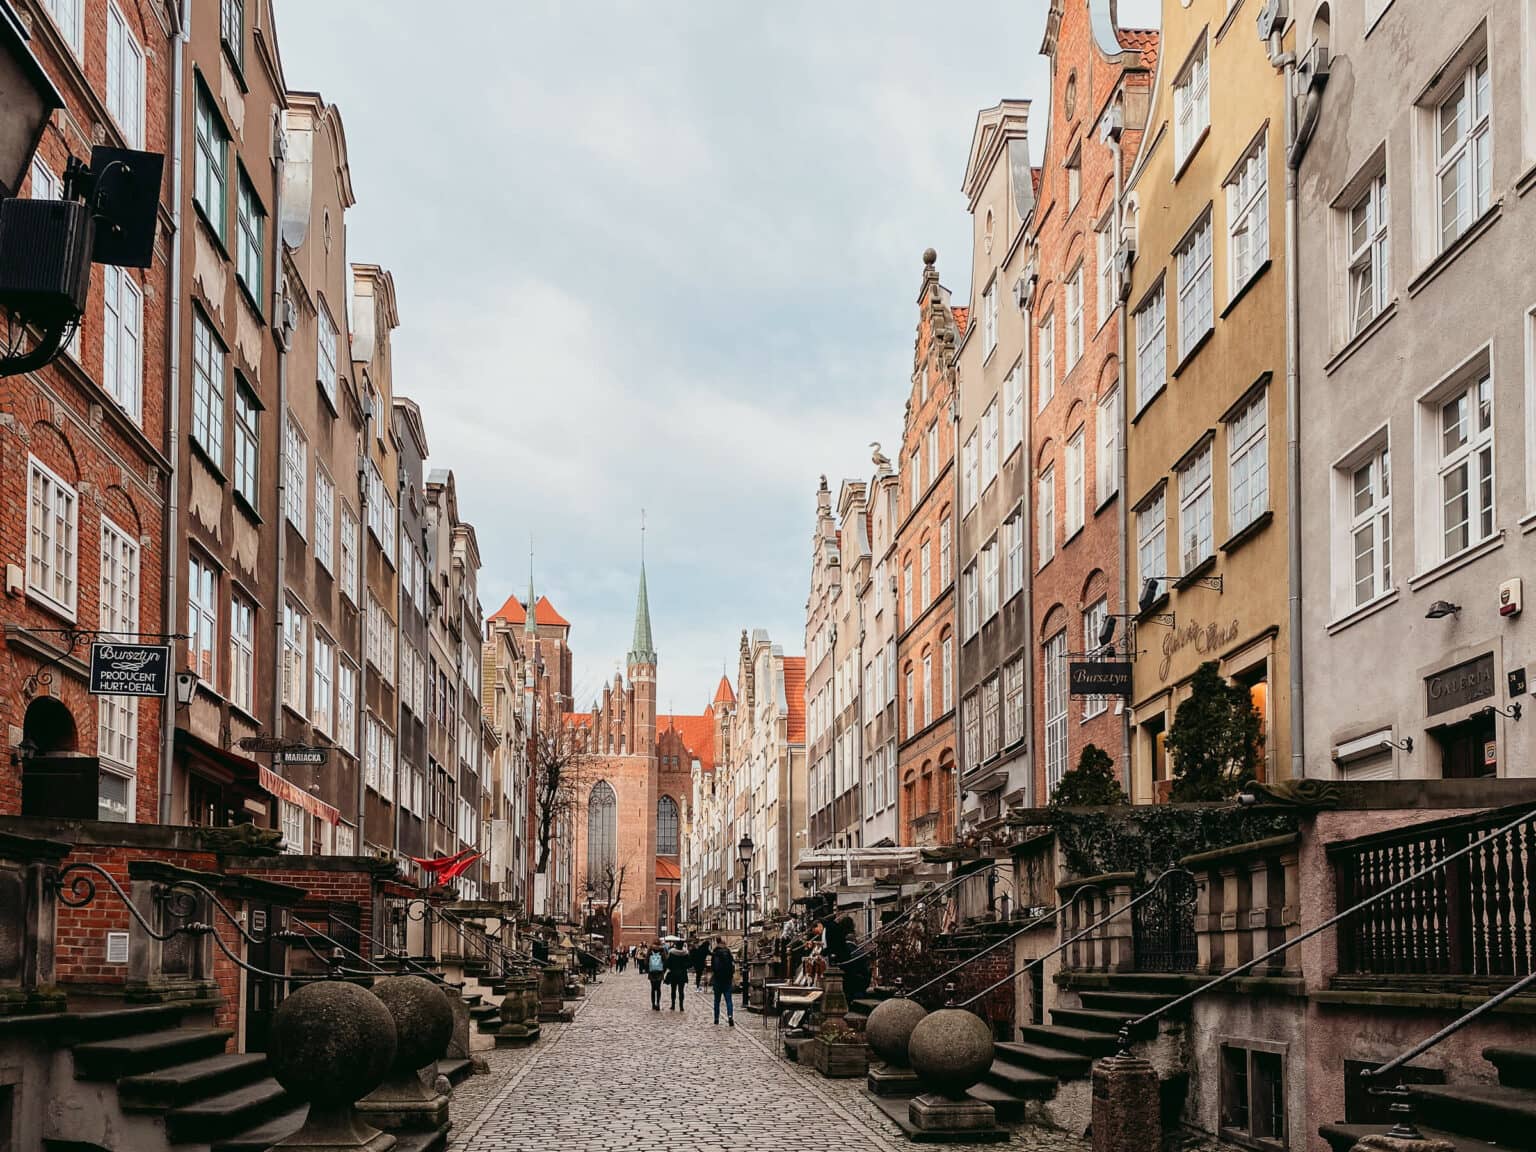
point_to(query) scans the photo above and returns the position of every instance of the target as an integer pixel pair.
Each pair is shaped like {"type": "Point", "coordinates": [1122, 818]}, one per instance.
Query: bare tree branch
{"type": "Point", "coordinates": [558, 752]}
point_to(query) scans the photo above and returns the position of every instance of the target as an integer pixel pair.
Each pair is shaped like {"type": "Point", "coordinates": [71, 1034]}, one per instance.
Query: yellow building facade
{"type": "Point", "coordinates": [1206, 371]}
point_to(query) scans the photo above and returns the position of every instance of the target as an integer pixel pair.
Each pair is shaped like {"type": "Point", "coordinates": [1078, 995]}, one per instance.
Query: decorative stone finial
{"type": "Point", "coordinates": [930, 257]}
{"type": "Point", "coordinates": [423, 1026]}
{"type": "Point", "coordinates": [889, 1029]}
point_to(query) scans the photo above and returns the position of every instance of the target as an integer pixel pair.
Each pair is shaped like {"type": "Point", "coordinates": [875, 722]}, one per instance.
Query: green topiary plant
{"type": "Point", "coordinates": [1214, 740]}
{"type": "Point", "coordinates": [1091, 784]}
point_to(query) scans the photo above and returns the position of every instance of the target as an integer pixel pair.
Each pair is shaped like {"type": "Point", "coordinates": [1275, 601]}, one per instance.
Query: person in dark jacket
{"type": "Point", "coordinates": [678, 965]}
{"type": "Point", "coordinates": [700, 957]}
{"type": "Point", "coordinates": [655, 969]}
{"type": "Point", "coordinates": [722, 971]}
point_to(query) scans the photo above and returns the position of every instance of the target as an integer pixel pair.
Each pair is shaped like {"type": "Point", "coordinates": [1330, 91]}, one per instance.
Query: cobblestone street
{"type": "Point", "coordinates": [622, 1076]}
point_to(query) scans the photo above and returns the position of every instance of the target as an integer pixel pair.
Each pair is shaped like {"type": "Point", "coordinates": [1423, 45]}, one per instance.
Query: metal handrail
{"type": "Point", "coordinates": [1088, 931]}
{"type": "Point", "coordinates": [1141, 1022]}
{"type": "Point", "coordinates": [1450, 1029]}
{"type": "Point", "coordinates": [868, 944]}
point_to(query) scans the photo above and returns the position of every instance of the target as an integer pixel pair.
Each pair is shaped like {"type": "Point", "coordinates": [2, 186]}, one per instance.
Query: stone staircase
{"type": "Point", "coordinates": [1473, 1117]}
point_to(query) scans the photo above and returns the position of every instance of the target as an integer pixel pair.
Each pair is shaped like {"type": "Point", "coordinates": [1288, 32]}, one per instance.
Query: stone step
{"type": "Point", "coordinates": [1081, 1040]}
{"type": "Point", "coordinates": [1020, 1082]}
{"type": "Point", "coordinates": [865, 1004]}
{"type": "Point", "coordinates": [112, 1022]}
{"type": "Point", "coordinates": [1343, 1137]}
{"type": "Point", "coordinates": [471, 998]}
{"type": "Point", "coordinates": [1090, 1019]}
{"type": "Point", "coordinates": [183, 1083]}
{"type": "Point", "coordinates": [1051, 1061]}
{"type": "Point", "coordinates": [485, 1011]}
{"type": "Point", "coordinates": [264, 1135]}
{"type": "Point", "coordinates": [1493, 1112]}
{"type": "Point", "coordinates": [1138, 1003]}
{"type": "Point", "coordinates": [227, 1113]}
{"type": "Point", "coordinates": [146, 1052]}
{"type": "Point", "coordinates": [457, 1071]}
{"type": "Point", "coordinates": [1517, 1066]}
{"type": "Point", "coordinates": [1008, 1107]}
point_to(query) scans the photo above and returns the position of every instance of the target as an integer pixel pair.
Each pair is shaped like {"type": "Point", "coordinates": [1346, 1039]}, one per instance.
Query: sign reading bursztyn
{"type": "Point", "coordinates": [130, 669]}
{"type": "Point", "coordinates": [1099, 678]}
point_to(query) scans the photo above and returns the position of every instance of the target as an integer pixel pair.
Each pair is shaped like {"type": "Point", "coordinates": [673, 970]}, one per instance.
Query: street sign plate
{"type": "Point", "coordinates": [130, 669]}
{"type": "Point", "coordinates": [303, 756]}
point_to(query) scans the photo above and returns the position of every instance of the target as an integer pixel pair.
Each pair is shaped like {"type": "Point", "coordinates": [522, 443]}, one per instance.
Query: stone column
{"type": "Point", "coordinates": [516, 1028]}
{"type": "Point", "coordinates": [1126, 1106]}
{"type": "Point", "coordinates": [28, 901]}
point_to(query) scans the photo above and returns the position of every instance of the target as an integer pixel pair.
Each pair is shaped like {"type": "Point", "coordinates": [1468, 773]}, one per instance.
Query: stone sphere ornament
{"type": "Point", "coordinates": [950, 1050]}
{"type": "Point", "coordinates": [889, 1029]}
{"type": "Point", "coordinates": [423, 1020]}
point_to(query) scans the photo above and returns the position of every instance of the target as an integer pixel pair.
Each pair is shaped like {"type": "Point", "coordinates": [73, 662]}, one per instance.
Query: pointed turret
{"type": "Point", "coordinates": [642, 648]}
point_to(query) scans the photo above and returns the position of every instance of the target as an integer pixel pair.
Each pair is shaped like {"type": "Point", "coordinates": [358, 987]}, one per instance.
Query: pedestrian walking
{"type": "Point", "coordinates": [700, 957]}
{"type": "Point", "coordinates": [677, 964]}
{"type": "Point", "coordinates": [722, 970]}
{"type": "Point", "coordinates": [655, 969]}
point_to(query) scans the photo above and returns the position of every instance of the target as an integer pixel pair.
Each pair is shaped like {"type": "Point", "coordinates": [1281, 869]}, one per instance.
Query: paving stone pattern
{"type": "Point", "coordinates": [621, 1078]}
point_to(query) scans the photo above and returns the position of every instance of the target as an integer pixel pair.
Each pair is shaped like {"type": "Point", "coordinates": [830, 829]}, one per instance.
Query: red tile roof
{"type": "Point", "coordinates": [725, 694]}
{"type": "Point", "coordinates": [1143, 40]}
{"type": "Point", "coordinates": [696, 732]}
{"type": "Point", "coordinates": [667, 869]}
{"type": "Point", "coordinates": [794, 688]}
{"type": "Point", "coordinates": [962, 318]}
{"type": "Point", "coordinates": [543, 613]}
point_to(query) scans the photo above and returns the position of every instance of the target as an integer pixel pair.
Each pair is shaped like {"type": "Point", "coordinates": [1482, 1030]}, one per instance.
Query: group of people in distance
{"type": "Point", "coordinates": [671, 963]}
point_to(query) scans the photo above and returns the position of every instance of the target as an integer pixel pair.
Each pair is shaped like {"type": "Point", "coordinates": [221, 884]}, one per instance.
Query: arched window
{"type": "Point", "coordinates": [666, 826]}
{"type": "Point", "coordinates": [602, 830]}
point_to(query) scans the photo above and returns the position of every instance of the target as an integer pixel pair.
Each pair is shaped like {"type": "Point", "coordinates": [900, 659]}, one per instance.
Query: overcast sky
{"type": "Point", "coordinates": [659, 254]}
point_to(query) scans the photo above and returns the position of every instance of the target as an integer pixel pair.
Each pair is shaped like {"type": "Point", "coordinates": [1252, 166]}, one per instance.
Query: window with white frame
{"type": "Point", "coordinates": [53, 511]}
{"type": "Point", "coordinates": [906, 594]}
{"type": "Point", "coordinates": [1463, 152]}
{"type": "Point", "coordinates": [371, 752]}
{"type": "Point", "coordinates": [972, 621]}
{"type": "Point", "coordinates": [295, 658]}
{"type": "Point", "coordinates": [1013, 702]}
{"type": "Point", "coordinates": [251, 220]}
{"type": "Point", "coordinates": [917, 476]}
{"type": "Point", "coordinates": [295, 473]}
{"type": "Point", "coordinates": [1045, 515]}
{"type": "Point", "coordinates": [928, 693]}
{"type": "Point", "coordinates": [1013, 556]}
{"type": "Point", "coordinates": [1151, 346]}
{"type": "Point", "coordinates": [325, 518]}
{"type": "Point", "coordinates": [325, 353]}
{"type": "Point", "coordinates": [1107, 445]}
{"type": "Point", "coordinates": [1465, 466]}
{"type": "Point", "coordinates": [349, 554]}
{"type": "Point", "coordinates": [210, 168]}
{"type": "Point", "coordinates": [991, 705]}
{"type": "Point", "coordinates": [122, 353]}
{"type": "Point", "coordinates": [69, 16]}
{"type": "Point", "coordinates": [1074, 317]}
{"type": "Point", "coordinates": [324, 661]}
{"type": "Point", "coordinates": [207, 390]}
{"type": "Point", "coordinates": [242, 653]}
{"type": "Point", "coordinates": [1074, 178]}
{"type": "Point", "coordinates": [1196, 289]}
{"type": "Point", "coordinates": [1077, 497]}
{"type": "Point", "coordinates": [989, 431]}
{"type": "Point", "coordinates": [947, 673]}
{"type": "Point", "coordinates": [989, 319]}
{"type": "Point", "coordinates": [202, 618]}
{"type": "Point", "coordinates": [247, 430]}
{"type": "Point", "coordinates": [969, 474]}
{"type": "Point", "coordinates": [117, 717]}
{"type": "Point", "coordinates": [1104, 246]}
{"type": "Point", "coordinates": [970, 710]}
{"type": "Point", "coordinates": [944, 562]}
{"type": "Point", "coordinates": [1055, 709]}
{"type": "Point", "coordinates": [933, 452]}
{"type": "Point", "coordinates": [1370, 527]}
{"type": "Point", "coordinates": [1369, 257]}
{"type": "Point", "coordinates": [232, 29]}
{"type": "Point", "coordinates": [1248, 216]}
{"type": "Point", "coordinates": [1248, 462]}
{"type": "Point", "coordinates": [346, 705]}
{"type": "Point", "coordinates": [1152, 541]}
{"type": "Point", "coordinates": [1013, 409]}
{"type": "Point", "coordinates": [910, 706]}
{"type": "Point", "coordinates": [125, 78]}
{"type": "Point", "coordinates": [1047, 360]}
{"type": "Point", "coordinates": [925, 573]}
{"type": "Point", "coordinates": [1093, 625]}
{"type": "Point", "coordinates": [989, 573]}
{"type": "Point", "coordinates": [1191, 103]}
{"type": "Point", "coordinates": [291, 819]}
{"type": "Point", "coordinates": [1197, 541]}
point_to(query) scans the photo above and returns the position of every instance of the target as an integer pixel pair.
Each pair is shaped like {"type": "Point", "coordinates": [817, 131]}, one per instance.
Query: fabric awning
{"type": "Point", "coordinates": [286, 790]}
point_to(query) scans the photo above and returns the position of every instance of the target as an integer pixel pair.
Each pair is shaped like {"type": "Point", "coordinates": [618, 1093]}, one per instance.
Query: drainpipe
{"type": "Point", "coordinates": [361, 707]}
{"type": "Point", "coordinates": [172, 520]}
{"type": "Point", "coordinates": [954, 601]}
{"type": "Point", "coordinates": [400, 545]}
{"type": "Point", "coordinates": [1122, 449]}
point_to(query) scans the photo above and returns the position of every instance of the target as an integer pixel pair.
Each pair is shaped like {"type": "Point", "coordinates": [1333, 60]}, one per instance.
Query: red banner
{"type": "Point", "coordinates": [440, 863]}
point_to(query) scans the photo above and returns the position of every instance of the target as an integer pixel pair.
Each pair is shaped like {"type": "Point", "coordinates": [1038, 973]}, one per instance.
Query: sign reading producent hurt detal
{"type": "Point", "coordinates": [130, 669]}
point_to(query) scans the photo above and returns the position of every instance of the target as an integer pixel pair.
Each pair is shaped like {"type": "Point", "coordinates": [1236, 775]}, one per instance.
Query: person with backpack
{"type": "Point", "coordinates": [655, 968]}
{"type": "Point", "coordinates": [722, 972]}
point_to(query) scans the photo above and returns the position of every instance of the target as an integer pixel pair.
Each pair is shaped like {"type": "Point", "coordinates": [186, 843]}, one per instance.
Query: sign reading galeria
{"type": "Point", "coordinates": [130, 669]}
{"type": "Point", "coordinates": [1466, 683]}
{"type": "Point", "coordinates": [1099, 678]}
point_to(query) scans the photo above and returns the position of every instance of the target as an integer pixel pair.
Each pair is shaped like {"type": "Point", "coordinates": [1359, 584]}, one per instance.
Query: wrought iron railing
{"type": "Point", "coordinates": [923, 903]}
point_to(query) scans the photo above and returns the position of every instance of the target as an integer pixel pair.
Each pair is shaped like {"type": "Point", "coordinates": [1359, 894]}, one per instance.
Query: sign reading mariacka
{"type": "Point", "coordinates": [130, 669]}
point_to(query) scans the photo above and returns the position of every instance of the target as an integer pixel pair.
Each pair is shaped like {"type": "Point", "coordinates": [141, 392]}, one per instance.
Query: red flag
{"type": "Point", "coordinates": [440, 863]}
{"type": "Point", "coordinates": [462, 866]}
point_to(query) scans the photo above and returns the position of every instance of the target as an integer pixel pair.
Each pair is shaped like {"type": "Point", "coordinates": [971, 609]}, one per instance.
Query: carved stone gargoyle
{"type": "Point", "coordinates": [1306, 793]}
{"type": "Point", "coordinates": [243, 840]}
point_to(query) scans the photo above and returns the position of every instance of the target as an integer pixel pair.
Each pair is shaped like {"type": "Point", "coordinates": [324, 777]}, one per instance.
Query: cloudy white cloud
{"type": "Point", "coordinates": [658, 254]}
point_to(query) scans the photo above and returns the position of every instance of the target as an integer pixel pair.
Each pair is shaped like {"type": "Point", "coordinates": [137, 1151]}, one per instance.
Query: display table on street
{"type": "Point", "coordinates": [794, 998]}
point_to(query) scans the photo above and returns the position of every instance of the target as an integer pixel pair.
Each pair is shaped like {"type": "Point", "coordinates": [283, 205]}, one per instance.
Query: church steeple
{"type": "Point", "coordinates": [530, 626]}
{"type": "Point", "coordinates": [642, 648]}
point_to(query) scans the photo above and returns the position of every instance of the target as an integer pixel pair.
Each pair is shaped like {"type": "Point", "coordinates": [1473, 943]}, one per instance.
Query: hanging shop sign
{"type": "Point", "coordinates": [130, 669]}
{"type": "Point", "coordinates": [1099, 678]}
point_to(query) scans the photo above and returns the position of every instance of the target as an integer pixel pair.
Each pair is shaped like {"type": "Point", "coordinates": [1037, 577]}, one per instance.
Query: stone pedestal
{"type": "Point", "coordinates": [1126, 1105]}
{"type": "Point", "coordinates": [933, 1113]}
{"type": "Point", "coordinates": [516, 1029]}
{"type": "Point", "coordinates": [458, 1043]}
{"type": "Point", "coordinates": [887, 1080]}
{"type": "Point", "coordinates": [834, 1002]}
{"type": "Point", "coordinates": [552, 994]}
{"type": "Point", "coordinates": [423, 1027]}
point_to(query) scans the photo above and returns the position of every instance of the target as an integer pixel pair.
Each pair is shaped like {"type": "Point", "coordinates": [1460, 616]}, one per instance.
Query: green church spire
{"type": "Point", "coordinates": [642, 648]}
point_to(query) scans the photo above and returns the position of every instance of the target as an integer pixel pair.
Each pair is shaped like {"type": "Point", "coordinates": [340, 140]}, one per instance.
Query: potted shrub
{"type": "Point", "coordinates": [837, 1051]}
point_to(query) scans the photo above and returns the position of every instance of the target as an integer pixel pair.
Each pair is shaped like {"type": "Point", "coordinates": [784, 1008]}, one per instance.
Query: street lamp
{"type": "Point", "coordinates": [744, 854]}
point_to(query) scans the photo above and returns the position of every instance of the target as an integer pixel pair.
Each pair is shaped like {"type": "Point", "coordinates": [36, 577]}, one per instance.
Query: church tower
{"type": "Point", "coordinates": [530, 655]}
{"type": "Point", "coordinates": [642, 673]}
